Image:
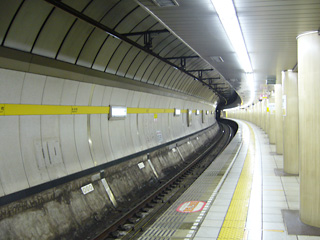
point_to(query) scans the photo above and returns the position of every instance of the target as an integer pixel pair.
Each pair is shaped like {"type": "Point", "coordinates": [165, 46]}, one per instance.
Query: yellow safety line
{"type": "Point", "coordinates": [32, 109]}
{"type": "Point", "coordinates": [234, 224]}
{"type": "Point", "coordinates": [271, 230]}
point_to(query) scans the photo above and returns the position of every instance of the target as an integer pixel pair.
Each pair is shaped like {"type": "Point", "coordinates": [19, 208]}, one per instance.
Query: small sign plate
{"type": "Point", "coordinates": [141, 165]}
{"type": "Point", "coordinates": [87, 188]}
{"type": "Point", "coordinates": [272, 108]}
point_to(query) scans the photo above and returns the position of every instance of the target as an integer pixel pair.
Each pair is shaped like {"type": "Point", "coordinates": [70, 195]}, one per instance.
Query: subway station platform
{"type": "Point", "coordinates": [242, 195]}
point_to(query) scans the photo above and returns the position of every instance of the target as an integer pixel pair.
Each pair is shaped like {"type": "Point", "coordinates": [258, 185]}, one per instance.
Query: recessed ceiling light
{"type": "Point", "coordinates": [228, 17]}
{"type": "Point", "coordinates": [217, 59]}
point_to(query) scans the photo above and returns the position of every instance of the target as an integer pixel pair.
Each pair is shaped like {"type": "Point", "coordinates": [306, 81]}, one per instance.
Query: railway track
{"type": "Point", "coordinates": [134, 222]}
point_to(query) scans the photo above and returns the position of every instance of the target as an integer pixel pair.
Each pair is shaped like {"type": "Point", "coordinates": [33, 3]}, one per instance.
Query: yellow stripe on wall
{"type": "Point", "coordinates": [32, 109]}
{"type": "Point", "coordinates": [149, 110]}
{"type": "Point", "coordinates": [90, 110]}
{"type": "Point", "coordinates": [24, 109]}
{"type": "Point", "coordinates": [29, 109]}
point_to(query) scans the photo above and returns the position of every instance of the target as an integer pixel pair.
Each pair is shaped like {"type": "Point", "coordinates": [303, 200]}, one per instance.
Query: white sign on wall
{"type": "Point", "coordinates": [87, 188]}
{"type": "Point", "coordinates": [272, 108]}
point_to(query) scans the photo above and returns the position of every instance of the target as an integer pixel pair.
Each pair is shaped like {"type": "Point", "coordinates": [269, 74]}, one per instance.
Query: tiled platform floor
{"type": "Point", "coordinates": [269, 194]}
{"type": "Point", "coordinates": [229, 214]}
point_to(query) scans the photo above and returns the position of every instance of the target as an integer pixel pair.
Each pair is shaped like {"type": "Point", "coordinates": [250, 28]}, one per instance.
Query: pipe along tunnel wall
{"type": "Point", "coordinates": [40, 149]}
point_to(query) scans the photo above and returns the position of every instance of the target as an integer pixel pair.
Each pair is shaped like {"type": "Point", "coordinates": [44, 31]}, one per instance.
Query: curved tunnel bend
{"type": "Point", "coordinates": [63, 66]}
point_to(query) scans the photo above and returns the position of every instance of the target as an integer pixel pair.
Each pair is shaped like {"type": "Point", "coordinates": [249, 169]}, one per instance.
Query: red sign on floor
{"type": "Point", "coordinates": [191, 206]}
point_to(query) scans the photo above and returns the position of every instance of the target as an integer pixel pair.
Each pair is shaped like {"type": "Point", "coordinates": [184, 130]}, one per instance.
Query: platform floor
{"type": "Point", "coordinates": [238, 197]}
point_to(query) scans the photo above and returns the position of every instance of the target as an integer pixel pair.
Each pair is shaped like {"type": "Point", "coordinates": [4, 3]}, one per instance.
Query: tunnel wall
{"type": "Point", "coordinates": [80, 141]}
{"type": "Point", "coordinates": [40, 152]}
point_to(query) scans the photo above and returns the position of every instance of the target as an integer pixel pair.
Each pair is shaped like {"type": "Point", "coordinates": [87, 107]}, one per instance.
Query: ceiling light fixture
{"type": "Point", "coordinates": [229, 20]}
{"type": "Point", "coordinates": [217, 59]}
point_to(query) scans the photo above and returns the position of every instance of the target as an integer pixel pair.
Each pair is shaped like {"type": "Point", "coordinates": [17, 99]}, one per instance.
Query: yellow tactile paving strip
{"type": "Point", "coordinates": [234, 224]}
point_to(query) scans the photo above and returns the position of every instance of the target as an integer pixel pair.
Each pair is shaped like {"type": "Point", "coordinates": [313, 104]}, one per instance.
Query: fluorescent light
{"type": "Point", "coordinates": [197, 112]}
{"type": "Point", "coordinates": [177, 112]}
{"type": "Point", "coordinates": [207, 112]}
{"type": "Point", "coordinates": [217, 59]}
{"type": "Point", "coordinates": [117, 112]}
{"type": "Point", "coordinates": [229, 20]}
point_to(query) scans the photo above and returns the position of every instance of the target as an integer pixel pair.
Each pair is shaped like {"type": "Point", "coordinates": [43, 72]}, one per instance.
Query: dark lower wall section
{"type": "Point", "coordinates": [77, 209]}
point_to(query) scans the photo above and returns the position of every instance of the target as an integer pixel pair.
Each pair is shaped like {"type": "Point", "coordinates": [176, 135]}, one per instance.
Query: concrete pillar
{"type": "Point", "coordinates": [263, 115]}
{"type": "Point", "coordinates": [290, 122]}
{"type": "Point", "coordinates": [257, 114]}
{"type": "Point", "coordinates": [267, 117]}
{"type": "Point", "coordinates": [279, 119]}
{"type": "Point", "coordinates": [272, 119]}
{"type": "Point", "coordinates": [254, 113]}
{"type": "Point", "coordinates": [309, 127]}
{"type": "Point", "coordinates": [250, 114]}
{"type": "Point", "coordinates": [256, 107]}
{"type": "Point", "coordinates": [260, 114]}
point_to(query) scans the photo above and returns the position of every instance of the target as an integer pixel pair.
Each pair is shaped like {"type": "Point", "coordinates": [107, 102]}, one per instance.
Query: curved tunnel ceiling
{"type": "Point", "coordinates": [117, 37]}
